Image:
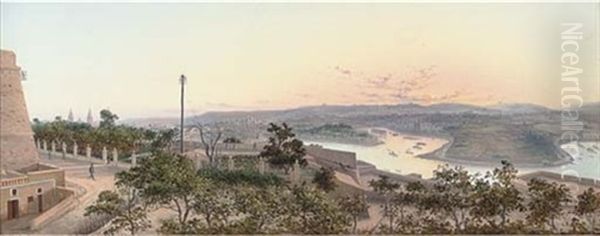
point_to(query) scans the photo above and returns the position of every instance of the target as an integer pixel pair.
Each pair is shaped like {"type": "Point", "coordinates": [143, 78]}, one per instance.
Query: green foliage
{"type": "Point", "coordinates": [165, 179]}
{"type": "Point", "coordinates": [546, 204]}
{"type": "Point", "coordinates": [588, 208]}
{"type": "Point", "coordinates": [215, 204]}
{"type": "Point", "coordinates": [213, 201]}
{"type": "Point", "coordinates": [126, 215]}
{"type": "Point", "coordinates": [311, 212]}
{"type": "Point", "coordinates": [283, 149]}
{"type": "Point", "coordinates": [332, 128]}
{"type": "Point", "coordinates": [107, 118]}
{"type": "Point", "coordinates": [264, 208]}
{"type": "Point", "coordinates": [162, 140]}
{"type": "Point", "coordinates": [126, 139]}
{"type": "Point", "coordinates": [353, 207]}
{"type": "Point", "coordinates": [232, 140]}
{"type": "Point", "coordinates": [241, 177]}
{"type": "Point", "coordinates": [387, 189]}
{"type": "Point", "coordinates": [497, 198]}
{"type": "Point", "coordinates": [325, 179]}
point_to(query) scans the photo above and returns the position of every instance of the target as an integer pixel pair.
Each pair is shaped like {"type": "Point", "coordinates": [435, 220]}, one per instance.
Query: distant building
{"type": "Point", "coordinates": [70, 117]}
{"type": "Point", "coordinates": [26, 185]}
{"type": "Point", "coordinates": [90, 118]}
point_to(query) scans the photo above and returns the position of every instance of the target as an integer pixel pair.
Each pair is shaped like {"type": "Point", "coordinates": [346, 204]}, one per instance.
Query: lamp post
{"type": "Point", "coordinates": [182, 81]}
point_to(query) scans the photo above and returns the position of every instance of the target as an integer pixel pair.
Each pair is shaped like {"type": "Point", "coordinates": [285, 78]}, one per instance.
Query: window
{"type": "Point", "coordinates": [30, 199]}
{"type": "Point", "coordinates": [13, 192]}
{"type": "Point", "coordinates": [39, 190]}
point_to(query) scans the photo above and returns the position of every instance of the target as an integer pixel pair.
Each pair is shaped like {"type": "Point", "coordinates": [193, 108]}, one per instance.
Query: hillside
{"type": "Point", "coordinates": [526, 134]}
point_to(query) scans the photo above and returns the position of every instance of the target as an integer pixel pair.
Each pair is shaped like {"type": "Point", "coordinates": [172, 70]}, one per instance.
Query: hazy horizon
{"type": "Point", "coordinates": [279, 56]}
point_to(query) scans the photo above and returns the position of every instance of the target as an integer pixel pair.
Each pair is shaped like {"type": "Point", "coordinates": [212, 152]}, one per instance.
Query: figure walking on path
{"type": "Point", "coordinates": [92, 171]}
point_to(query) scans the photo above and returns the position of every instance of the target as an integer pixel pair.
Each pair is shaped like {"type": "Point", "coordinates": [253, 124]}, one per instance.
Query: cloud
{"type": "Point", "coordinates": [343, 71]}
{"type": "Point", "coordinates": [408, 86]}
{"type": "Point", "coordinates": [218, 104]}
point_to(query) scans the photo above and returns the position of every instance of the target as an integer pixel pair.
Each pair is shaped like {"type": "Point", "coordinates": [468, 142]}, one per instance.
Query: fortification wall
{"type": "Point", "coordinates": [559, 177]}
{"type": "Point", "coordinates": [346, 159]}
{"type": "Point", "coordinates": [17, 149]}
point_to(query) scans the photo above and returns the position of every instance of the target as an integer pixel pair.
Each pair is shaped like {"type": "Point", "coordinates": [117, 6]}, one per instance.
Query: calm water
{"type": "Point", "coordinates": [398, 154]}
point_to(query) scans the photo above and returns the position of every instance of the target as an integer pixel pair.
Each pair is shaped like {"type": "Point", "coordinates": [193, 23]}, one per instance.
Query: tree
{"type": "Point", "coordinates": [353, 206]}
{"type": "Point", "coordinates": [386, 188]}
{"type": "Point", "coordinates": [496, 196]}
{"type": "Point", "coordinates": [232, 140]}
{"type": "Point", "coordinates": [547, 203]}
{"type": "Point", "coordinates": [588, 207]}
{"type": "Point", "coordinates": [283, 149]}
{"type": "Point", "coordinates": [210, 138]}
{"type": "Point", "coordinates": [263, 206]}
{"type": "Point", "coordinates": [107, 118]}
{"type": "Point", "coordinates": [165, 180]}
{"type": "Point", "coordinates": [214, 203]}
{"type": "Point", "coordinates": [454, 189]}
{"type": "Point", "coordinates": [309, 211]}
{"type": "Point", "coordinates": [121, 206]}
{"type": "Point", "coordinates": [325, 179]}
{"type": "Point", "coordinates": [162, 141]}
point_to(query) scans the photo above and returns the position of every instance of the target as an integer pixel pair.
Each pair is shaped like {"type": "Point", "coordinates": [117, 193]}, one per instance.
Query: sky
{"type": "Point", "coordinates": [128, 57]}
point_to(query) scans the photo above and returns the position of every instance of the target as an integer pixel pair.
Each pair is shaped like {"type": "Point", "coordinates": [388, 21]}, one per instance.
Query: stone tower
{"type": "Point", "coordinates": [17, 149]}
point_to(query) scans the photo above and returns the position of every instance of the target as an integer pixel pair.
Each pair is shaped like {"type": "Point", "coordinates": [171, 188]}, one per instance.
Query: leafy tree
{"type": "Point", "coordinates": [163, 140]}
{"type": "Point", "coordinates": [107, 118]}
{"type": "Point", "coordinates": [386, 188]}
{"type": "Point", "coordinates": [547, 203]}
{"type": "Point", "coordinates": [454, 189]}
{"type": "Point", "coordinates": [588, 207]}
{"type": "Point", "coordinates": [325, 179]}
{"type": "Point", "coordinates": [241, 177]}
{"type": "Point", "coordinates": [496, 196]}
{"type": "Point", "coordinates": [215, 204]}
{"type": "Point", "coordinates": [264, 210]}
{"type": "Point", "coordinates": [309, 211]}
{"type": "Point", "coordinates": [283, 149]}
{"type": "Point", "coordinates": [121, 206]}
{"type": "Point", "coordinates": [165, 180]}
{"type": "Point", "coordinates": [353, 206]}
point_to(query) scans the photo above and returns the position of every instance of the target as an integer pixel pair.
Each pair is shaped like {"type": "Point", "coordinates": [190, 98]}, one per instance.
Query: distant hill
{"type": "Point", "coordinates": [334, 111]}
{"type": "Point", "coordinates": [520, 108]}
{"type": "Point", "coordinates": [325, 112]}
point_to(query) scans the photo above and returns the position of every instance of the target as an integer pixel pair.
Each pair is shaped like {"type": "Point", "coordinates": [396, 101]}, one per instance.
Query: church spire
{"type": "Point", "coordinates": [70, 117]}
{"type": "Point", "coordinates": [90, 118]}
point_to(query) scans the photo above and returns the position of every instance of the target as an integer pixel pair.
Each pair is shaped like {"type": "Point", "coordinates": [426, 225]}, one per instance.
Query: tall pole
{"type": "Point", "coordinates": [182, 81]}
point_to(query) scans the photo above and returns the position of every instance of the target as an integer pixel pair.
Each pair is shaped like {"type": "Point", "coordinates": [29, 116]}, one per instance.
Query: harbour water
{"type": "Point", "coordinates": [399, 152]}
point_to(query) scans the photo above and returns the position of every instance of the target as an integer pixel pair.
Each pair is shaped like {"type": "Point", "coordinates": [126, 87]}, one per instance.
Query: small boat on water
{"type": "Point", "coordinates": [409, 152]}
{"type": "Point", "coordinates": [410, 138]}
{"type": "Point", "coordinates": [392, 153]}
{"type": "Point", "coordinates": [421, 143]}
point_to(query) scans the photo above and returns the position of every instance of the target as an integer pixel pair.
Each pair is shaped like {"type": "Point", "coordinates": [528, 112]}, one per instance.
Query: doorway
{"type": "Point", "coordinates": [13, 209]}
{"type": "Point", "coordinates": [40, 203]}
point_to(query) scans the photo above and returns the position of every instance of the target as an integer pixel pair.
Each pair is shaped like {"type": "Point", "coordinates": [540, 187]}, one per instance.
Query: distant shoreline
{"type": "Point", "coordinates": [440, 155]}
